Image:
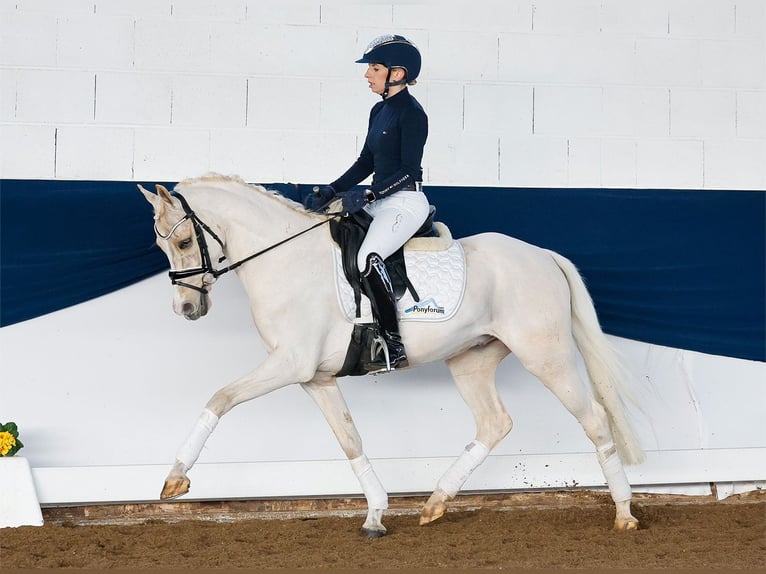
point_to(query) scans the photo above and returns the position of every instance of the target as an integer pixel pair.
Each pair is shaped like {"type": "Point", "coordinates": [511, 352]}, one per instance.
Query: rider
{"type": "Point", "coordinates": [392, 152]}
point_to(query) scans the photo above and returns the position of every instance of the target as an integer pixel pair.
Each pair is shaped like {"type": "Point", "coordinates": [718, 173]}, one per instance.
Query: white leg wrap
{"type": "Point", "coordinates": [189, 452]}
{"type": "Point", "coordinates": [376, 495]}
{"type": "Point", "coordinates": [614, 472]}
{"type": "Point", "coordinates": [473, 455]}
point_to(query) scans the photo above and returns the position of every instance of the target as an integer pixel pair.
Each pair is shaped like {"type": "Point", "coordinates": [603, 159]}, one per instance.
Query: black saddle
{"type": "Point", "coordinates": [349, 232]}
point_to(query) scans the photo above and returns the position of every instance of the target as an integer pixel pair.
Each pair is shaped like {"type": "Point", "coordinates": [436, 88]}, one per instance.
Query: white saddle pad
{"type": "Point", "coordinates": [435, 267]}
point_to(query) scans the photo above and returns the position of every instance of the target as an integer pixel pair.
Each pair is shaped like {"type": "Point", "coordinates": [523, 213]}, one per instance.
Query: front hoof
{"type": "Point", "coordinates": [433, 510]}
{"type": "Point", "coordinates": [373, 533]}
{"type": "Point", "coordinates": [175, 487]}
{"type": "Point", "coordinates": [626, 525]}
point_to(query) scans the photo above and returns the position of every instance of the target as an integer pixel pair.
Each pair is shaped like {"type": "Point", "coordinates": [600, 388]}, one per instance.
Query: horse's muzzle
{"type": "Point", "coordinates": [193, 311]}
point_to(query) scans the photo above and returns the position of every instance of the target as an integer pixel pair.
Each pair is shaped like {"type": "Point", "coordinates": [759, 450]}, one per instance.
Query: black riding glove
{"type": "Point", "coordinates": [354, 201]}
{"type": "Point", "coordinates": [321, 196]}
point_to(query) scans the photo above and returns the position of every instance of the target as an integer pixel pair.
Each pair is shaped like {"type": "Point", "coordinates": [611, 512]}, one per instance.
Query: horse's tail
{"type": "Point", "coordinates": [607, 374]}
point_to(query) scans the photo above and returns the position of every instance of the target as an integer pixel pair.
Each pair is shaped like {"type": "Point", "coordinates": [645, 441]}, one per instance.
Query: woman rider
{"type": "Point", "coordinates": [392, 153]}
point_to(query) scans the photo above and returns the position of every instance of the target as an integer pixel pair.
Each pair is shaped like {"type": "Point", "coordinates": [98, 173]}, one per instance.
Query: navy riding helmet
{"type": "Point", "coordinates": [394, 51]}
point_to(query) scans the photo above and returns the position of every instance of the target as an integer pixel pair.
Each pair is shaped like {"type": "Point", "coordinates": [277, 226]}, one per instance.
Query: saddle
{"type": "Point", "coordinates": [349, 232]}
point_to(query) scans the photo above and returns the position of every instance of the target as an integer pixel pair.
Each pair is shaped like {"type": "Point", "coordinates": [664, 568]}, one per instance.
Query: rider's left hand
{"type": "Point", "coordinates": [354, 201]}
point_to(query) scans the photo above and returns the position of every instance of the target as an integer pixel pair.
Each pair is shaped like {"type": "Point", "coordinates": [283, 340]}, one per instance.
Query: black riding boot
{"type": "Point", "coordinates": [377, 286]}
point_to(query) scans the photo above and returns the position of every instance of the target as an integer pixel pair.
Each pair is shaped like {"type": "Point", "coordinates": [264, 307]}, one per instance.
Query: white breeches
{"type": "Point", "coordinates": [395, 219]}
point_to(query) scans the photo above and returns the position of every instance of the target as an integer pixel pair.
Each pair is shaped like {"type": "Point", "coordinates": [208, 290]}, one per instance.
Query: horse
{"type": "Point", "coordinates": [519, 298]}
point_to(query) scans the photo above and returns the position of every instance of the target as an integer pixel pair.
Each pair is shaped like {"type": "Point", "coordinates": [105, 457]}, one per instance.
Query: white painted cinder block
{"type": "Point", "coordinates": [573, 17]}
{"type": "Point", "coordinates": [669, 164]}
{"type": "Point", "coordinates": [133, 98]}
{"type": "Point", "coordinates": [27, 151]}
{"type": "Point", "coordinates": [53, 96]}
{"type": "Point", "coordinates": [85, 152]}
{"type": "Point", "coordinates": [254, 155]}
{"type": "Point", "coordinates": [636, 111]}
{"type": "Point", "coordinates": [462, 159]}
{"type": "Point", "coordinates": [708, 113]}
{"type": "Point", "coordinates": [301, 12]}
{"type": "Point", "coordinates": [171, 153]}
{"type": "Point", "coordinates": [492, 16]}
{"type": "Point", "coordinates": [498, 108]}
{"type": "Point", "coordinates": [95, 42]}
{"type": "Point", "coordinates": [55, 7]}
{"type": "Point", "coordinates": [566, 59]}
{"type": "Point", "coordinates": [751, 114]}
{"type": "Point", "coordinates": [137, 9]}
{"type": "Point", "coordinates": [345, 104]}
{"type": "Point", "coordinates": [444, 102]}
{"type": "Point", "coordinates": [667, 62]}
{"type": "Point", "coordinates": [533, 161]}
{"type": "Point", "coordinates": [454, 60]}
{"type": "Point", "coordinates": [170, 44]}
{"type": "Point", "coordinates": [568, 110]}
{"type": "Point", "coordinates": [209, 101]}
{"type": "Point", "coordinates": [27, 39]}
{"type": "Point", "coordinates": [735, 164]}
{"type": "Point", "coordinates": [7, 94]}
{"type": "Point", "coordinates": [750, 18]}
{"type": "Point", "coordinates": [283, 103]}
{"type": "Point", "coordinates": [319, 157]}
{"type": "Point", "coordinates": [618, 163]}
{"type": "Point", "coordinates": [645, 18]}
{"type": "Point", "coordinates": [733, 64]}
{"type": "Point", "coordinates": [207, 10]}
{"type": "Point", "coordinates": [695, 19]}
{"type": "Point", "coordinates": [356, 14]}
{"type": "Point", "coordinates": [584, 162]}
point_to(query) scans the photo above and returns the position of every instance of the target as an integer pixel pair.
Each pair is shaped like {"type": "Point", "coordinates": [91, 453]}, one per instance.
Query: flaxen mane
{"type": "Point", "coordinates": [234, 181]}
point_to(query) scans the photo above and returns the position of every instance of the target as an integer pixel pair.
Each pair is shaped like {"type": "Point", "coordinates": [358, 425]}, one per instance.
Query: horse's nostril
{"type": "Point", "coordinates": [187, 308]}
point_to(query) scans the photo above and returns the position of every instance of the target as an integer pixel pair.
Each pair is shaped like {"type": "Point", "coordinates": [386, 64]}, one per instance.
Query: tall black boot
{"type": "Point", "coordinates": [377, 286]}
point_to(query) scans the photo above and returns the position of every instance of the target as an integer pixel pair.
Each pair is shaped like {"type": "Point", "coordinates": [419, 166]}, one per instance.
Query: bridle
{"type": "Point", "coordinates": [209, 273]}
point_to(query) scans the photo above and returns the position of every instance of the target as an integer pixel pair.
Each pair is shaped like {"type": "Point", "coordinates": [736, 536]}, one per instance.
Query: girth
{"type": "Point", "coordinates": [349, 232]}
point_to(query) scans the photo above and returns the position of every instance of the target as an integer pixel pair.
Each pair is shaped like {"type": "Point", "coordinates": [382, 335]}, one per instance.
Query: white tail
{"type": "Point", "coordinates": [607, 374]}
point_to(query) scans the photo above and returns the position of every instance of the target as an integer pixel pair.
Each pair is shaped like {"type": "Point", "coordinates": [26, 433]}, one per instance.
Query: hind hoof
{"type": "Point", "coordinates": [626, 525]}
{"type": "Point", "coordinates": [174, 488]}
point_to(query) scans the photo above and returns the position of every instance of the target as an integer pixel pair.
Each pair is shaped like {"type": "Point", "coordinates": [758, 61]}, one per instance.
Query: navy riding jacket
{"type": "Point", "coordinates": [393, 150]}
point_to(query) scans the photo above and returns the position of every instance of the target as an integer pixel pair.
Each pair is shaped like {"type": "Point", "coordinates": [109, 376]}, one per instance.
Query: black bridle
{"type": "Point", "coordinates": [209, 273]}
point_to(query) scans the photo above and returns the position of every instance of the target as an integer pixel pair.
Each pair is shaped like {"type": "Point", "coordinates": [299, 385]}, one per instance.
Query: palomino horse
{"type": "Point", "coordinates": [518, 298]}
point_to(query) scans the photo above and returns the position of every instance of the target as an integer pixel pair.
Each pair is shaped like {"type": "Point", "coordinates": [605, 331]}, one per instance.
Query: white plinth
{"type": "Point", "coordinates": [18, 499]}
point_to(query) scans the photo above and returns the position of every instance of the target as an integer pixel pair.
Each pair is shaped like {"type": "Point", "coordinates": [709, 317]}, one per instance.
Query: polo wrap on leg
{"type": "Point", "coordinates": [474, 454]}
{"type": "Point", "coordinates": [611, 465]}
{"type": "Point", "coordinates": [376, 495]}
{"type": "Point", "coordinates": [189, 452]}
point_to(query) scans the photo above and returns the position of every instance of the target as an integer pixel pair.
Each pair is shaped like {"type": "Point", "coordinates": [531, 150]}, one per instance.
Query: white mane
{"type": "Point", "coordinates": [236, 184]}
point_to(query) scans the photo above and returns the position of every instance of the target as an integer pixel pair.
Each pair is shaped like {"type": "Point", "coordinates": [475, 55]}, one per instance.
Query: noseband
{"type": "Point", "coordinates": [209, 273]}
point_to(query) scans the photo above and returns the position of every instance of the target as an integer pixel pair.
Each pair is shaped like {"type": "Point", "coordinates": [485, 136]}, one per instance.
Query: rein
{"type": "Point", "coordinates": [208, 272]}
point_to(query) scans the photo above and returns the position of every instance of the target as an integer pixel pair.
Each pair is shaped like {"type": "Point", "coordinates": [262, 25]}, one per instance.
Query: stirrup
{"type": "Point", "coordinates": [377, 346]}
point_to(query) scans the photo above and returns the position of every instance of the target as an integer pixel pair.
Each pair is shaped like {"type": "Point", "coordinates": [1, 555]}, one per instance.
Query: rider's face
{"type": "Point", "coordinates": [376, 75]}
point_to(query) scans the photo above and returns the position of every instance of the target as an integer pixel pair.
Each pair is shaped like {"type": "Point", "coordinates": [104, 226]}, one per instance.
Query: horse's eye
{"type": "Point", "coordinates": [185, 243]}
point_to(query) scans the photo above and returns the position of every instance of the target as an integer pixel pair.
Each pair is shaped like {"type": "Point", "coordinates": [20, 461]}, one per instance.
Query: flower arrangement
{"type": "Point", "coordinates": [9, 439]}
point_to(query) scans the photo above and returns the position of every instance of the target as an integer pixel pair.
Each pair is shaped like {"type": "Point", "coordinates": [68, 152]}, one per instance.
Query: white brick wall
{"type": "Point", "coordinates": [579, 93]}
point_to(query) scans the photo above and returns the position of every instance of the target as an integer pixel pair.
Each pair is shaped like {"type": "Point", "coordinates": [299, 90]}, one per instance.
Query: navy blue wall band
{"type": "Point", "coordinates": [681, 268]}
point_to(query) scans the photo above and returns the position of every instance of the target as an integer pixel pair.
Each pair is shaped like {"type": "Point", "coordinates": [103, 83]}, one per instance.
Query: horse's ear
{"type": "Point", "coordinates": [150, 197]}
{"type": "Point", "coordinates": [159, 200]}
{"type": "Point", "coordinates": [163, 192]}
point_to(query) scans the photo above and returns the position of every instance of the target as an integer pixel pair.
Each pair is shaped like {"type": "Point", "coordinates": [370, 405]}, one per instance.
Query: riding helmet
{"type": "Point", "coordinates": [394, 51]}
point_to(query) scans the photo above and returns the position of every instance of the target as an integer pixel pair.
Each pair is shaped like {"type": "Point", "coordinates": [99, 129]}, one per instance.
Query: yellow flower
{"type": "Point", "coordinates": [7, 442]}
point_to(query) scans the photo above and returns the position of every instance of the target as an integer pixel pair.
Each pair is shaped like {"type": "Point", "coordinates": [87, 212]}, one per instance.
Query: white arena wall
{"type": "Point", "coordinates": [561, 93]}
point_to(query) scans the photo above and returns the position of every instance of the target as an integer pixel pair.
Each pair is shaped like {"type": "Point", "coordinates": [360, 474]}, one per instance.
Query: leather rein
{"type": "Point", "coordinates": [209, 273]}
